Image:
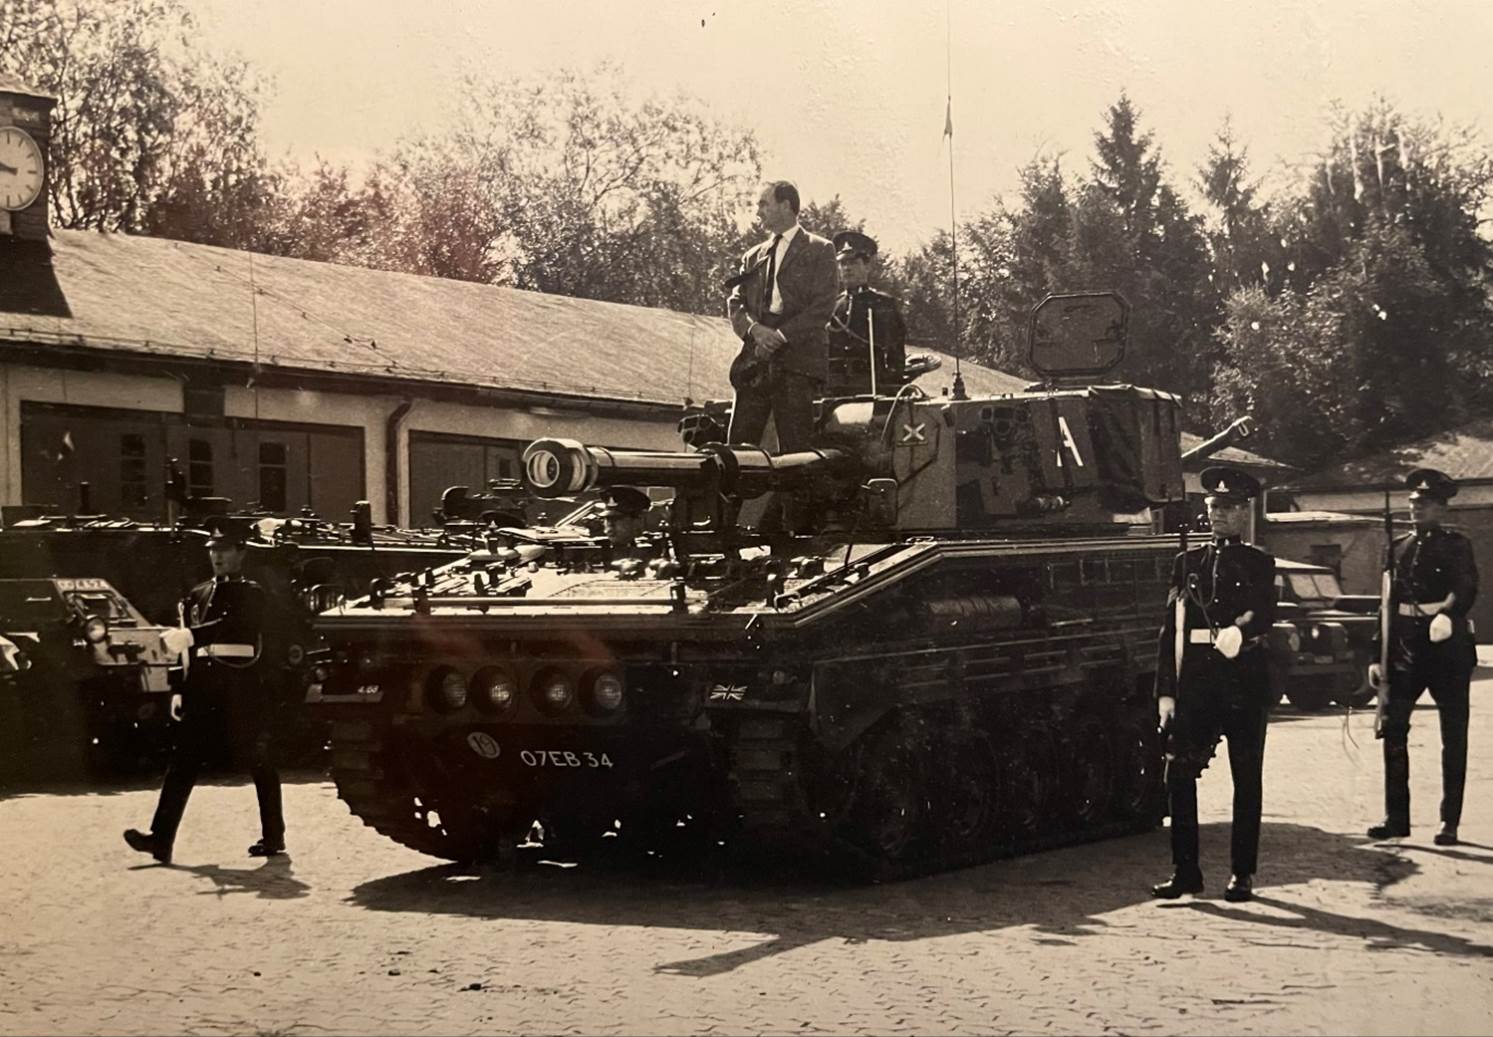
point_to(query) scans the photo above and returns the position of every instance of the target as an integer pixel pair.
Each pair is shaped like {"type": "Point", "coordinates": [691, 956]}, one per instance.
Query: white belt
{"type": "Point", "coordinates": [225, 651]}
{"type": "Point", "coordinates": [1200, 637]}
{"type": "Point", "coordinates": [1430, 608]}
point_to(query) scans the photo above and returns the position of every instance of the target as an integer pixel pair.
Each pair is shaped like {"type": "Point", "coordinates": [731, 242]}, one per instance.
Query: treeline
{"type": "Point", "coordinates": [1346, 309]}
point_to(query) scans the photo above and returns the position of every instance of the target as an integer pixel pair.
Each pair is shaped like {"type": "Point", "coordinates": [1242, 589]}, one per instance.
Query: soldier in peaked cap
{"type": "Point", "coordinates": [1212, 681]}
{"type": "Point", "coordinates": [623, 515]}
{"type": "Point", "coordinates": [224, 697]}
{"type": "Point", "coordinates": [1431, 646]}
{"type": "Point", "coordinates": [862, 316]}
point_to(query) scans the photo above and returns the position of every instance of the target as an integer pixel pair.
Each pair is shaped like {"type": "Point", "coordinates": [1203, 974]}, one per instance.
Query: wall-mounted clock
{"type": "Point", "coordinates": [21, 169]}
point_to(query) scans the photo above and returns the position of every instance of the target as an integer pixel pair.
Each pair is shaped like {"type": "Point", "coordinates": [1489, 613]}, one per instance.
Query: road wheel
{"type": "Point", "coordinates": [889, 816]}
{"type": "Point", "coordinates": [1090, 772]}
{"type": "Point", "coordinates": [1139, 788]}
{"type": "Point", "coordinates": [1028, 774]}
{"type": "Point", "coordinates": [968, 795]}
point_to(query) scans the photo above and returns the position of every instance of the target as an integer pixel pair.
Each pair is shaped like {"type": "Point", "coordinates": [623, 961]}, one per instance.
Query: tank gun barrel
{"type": "Point", "coordinates": [1240, 429]}
{"type": "Point", "coordinates": [556, 467]}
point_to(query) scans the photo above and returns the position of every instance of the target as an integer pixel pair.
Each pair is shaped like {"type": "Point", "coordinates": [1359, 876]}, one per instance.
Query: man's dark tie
{"type": "Point", "coordinates": [772, 270]}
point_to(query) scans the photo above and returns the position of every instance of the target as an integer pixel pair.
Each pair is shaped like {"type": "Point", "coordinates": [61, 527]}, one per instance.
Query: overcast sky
{"type": "Point", "coordinates": [848, 98]}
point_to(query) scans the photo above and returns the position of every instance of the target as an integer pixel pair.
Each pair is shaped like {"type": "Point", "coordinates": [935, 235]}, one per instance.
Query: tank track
{"type": "Point", "coordinates": [385, 801]}
{"type": "Point", "coordinates": [769, 771]}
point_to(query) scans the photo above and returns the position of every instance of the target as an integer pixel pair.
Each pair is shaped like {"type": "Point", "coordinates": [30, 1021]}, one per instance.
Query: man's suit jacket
{"type": "Point", "coordinates": [809, 284]}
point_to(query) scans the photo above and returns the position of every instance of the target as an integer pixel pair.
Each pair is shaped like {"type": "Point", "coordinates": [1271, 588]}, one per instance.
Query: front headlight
{"type": "Point", "coordinates": [95, 629]}
{"type": "Point", "coordinates": [493, 689]}
{"type": "Point", "coordinates": [448, 689]}
{"type": "Point", "coordinates": [606, 692]}
{"type": "Point", "coordinates": [553, 691]}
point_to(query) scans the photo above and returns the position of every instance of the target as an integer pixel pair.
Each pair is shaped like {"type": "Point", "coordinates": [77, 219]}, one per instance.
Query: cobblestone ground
{"type": "Point", "coordinates": [353, 934]}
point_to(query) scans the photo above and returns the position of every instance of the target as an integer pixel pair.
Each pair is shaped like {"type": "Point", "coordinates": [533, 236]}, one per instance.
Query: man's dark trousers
{"type": "Point", "coordinates": [1445, 669]}
{"type": "Point", "coordinates": [213, 720]}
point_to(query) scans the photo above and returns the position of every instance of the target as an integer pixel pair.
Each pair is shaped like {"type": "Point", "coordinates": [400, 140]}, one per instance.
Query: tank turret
{"type": "Point", "coordinates": [1059, 455]}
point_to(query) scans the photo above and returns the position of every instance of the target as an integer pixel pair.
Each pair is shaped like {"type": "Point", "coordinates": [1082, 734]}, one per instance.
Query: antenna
{"type": "Point", "coordinates": [948, 131]}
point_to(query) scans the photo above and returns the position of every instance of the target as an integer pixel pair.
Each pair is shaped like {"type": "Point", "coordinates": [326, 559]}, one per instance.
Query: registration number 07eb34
{"type": "Point", "coordinates": [563, 758]}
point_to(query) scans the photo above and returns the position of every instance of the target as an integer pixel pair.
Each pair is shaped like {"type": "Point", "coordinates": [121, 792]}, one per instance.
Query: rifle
{"type": "Point", "coordinates": [1386, 589]}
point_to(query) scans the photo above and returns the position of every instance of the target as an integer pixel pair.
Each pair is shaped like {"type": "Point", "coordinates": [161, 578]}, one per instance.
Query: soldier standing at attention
{"type": "Point", "coordinates": [1430, 646]}
{"type": "Point", "coordinates": [225, 698]}
{"type": "Point", "coordinates": [863, 317]}
{"type": "Point", "coordinates": [1212, 681]}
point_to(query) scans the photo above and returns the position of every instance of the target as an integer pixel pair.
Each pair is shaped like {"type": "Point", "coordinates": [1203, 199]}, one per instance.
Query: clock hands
{"type": "Point", "coordinates": [8, 169]}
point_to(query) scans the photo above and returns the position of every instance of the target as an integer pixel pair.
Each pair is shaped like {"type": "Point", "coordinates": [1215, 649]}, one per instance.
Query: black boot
{"type": "Point", "coordinates": [1390, 828]}
{"type": "Point", "coordinates": [1447, 836]}
{"type": "Point", "coordinates": [150, 844]}
{"type": "Point", "coordinates": [1240, 887]}
{"type": "Point", "coordinates": [1182, 881]}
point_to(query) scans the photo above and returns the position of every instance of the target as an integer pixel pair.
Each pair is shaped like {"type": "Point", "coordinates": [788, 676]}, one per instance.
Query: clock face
{"type": "Point", "coordinates": [21, 170]}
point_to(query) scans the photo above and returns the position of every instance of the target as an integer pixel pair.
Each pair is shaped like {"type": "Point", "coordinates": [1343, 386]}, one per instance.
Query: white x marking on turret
{"type": "Point", "coordinates": [914, 433]}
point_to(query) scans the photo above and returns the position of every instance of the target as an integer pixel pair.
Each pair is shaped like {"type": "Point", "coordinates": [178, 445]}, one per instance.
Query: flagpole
{"type": "Point", "coordinates": [948, 130]}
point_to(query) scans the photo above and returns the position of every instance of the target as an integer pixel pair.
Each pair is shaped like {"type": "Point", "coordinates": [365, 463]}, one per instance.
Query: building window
{"type": "Point", "coordinates": [133, 491]}
{"type": "Point", "coordinates": [199, 468]}
{"type": "Point", "coordinates": [272, 476]}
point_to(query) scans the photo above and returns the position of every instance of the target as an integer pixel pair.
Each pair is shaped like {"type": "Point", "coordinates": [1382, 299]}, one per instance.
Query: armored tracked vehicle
{"type": "Point", "coordinates": [304, 562]}
{"type": "Point", "coordinates": [926, 642]}
{"type": "Point", "coordinates": [87, 675]}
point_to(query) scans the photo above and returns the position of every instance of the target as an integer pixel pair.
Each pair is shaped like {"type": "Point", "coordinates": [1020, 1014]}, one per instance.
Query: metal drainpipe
{"type": "Point", "coordinates": [391, 460]}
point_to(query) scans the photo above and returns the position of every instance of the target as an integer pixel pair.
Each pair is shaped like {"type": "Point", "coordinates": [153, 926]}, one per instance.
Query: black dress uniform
{"type": "Point", "coordinates": [1435, 574]}
{"type": "Point", "coordinates": [857, 311]}
{"type": "Point", "coordinates": [226, 702]}
{"type": "Point", "coordinates": [1217, 696]}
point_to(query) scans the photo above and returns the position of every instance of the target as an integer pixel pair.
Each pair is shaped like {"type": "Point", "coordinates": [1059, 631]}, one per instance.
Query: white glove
{"type": "Point", "coordinates": [1376, 676]}
{"type": "Point", "coordinates": [1230, 639]}
{"type": "Point", "coordinates": [176, 640]}
{"type": "Point", "coordinates": [1166, 709]}
{"type": "Point", "coordinates": [1441, 627]}
{"type": "Point", "coordinates": [176, 706]}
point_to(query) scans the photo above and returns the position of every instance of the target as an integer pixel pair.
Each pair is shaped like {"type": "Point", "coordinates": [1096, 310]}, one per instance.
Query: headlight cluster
{"type": "Point", "coordinates": [495, 689]}
{"type": "Point", "coordinates": [95, 629]}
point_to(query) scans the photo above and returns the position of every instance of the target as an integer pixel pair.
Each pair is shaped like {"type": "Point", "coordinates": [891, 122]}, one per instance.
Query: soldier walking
{"type": "Point", "coordinates": [226, 699]}
{"type": "Point", "coordinates": [1431, 646]}
{"type": "Point", "coordinates": [1212, 681]}
{"type": "Point", "coordinates": [864, 318]}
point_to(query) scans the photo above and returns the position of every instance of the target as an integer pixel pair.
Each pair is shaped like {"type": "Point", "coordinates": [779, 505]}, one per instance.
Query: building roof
{"type": "Point", "coordinates": [1465, 452]}
{"type": "Point", "coordinates": [177, 300]}
{"type": "Point", "coordinates": [15, 85]}
{"type": "Point", "coordinates": [173, 299]}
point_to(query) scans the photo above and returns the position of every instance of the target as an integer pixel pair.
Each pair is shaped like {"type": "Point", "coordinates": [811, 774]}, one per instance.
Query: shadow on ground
{"type": "Point", "coordinates": [70, 782]}
{"type": "Point", "coordinates": [1062, 895]}
{"type": "Point", "coordinates": [271, 880]}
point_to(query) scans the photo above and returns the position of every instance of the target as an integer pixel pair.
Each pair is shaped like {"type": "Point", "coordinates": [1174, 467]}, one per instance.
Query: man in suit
{"type": "Point", "coordinates": [779, 306]}
{"type": "Point", "coordinates": [1431, 645]}
{"type": "Point", "coordinates": [863, 317]}
{"type": "Point", "coordinates": [225, 698]}
{"type": "Point", "coordinates": [1212, 681]}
